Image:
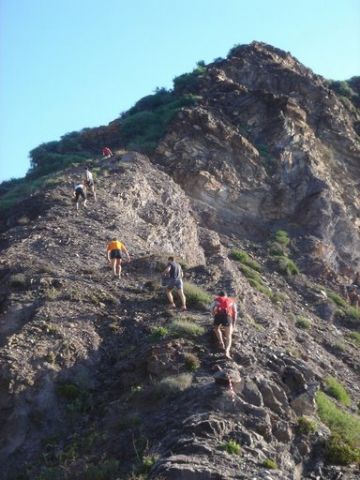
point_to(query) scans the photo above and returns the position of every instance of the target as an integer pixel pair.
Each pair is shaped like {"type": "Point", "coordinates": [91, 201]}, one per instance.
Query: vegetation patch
{"type": "Point", "coordinates": [170, 386]}
{"type": "Point", "coordinates": [303, 322]}
{"type": "Point", "coordinates": [270, 464]}
{"type": "Point", "coordinates": [255, 280]}
{"type": "Point", "coordinates": [243, 257]}
{"type": "Point", "coordinates": [345, 428]}
{"type": "Point", "coordinates": [186, 327]}
{"type": "Point", "coordinates": [306, 426]}
{"type": "Point", "coordinates": [354, 337]}
{"type": "Point", "coordinates": [196, 297]}
{"type": "Point", "coordinates": [232, 447]}
{"type": "Point", "coordinates": [336, 390]}
{"type": "Point", "coordinates": [286, 266]}
{"type": "Point", "coordinates": [158, 332]}
{"type": "Point", "coordinates": [192, 362]}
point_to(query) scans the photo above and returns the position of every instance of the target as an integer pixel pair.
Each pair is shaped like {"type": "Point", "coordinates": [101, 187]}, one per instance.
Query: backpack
{"type": "Point", "coordinates": [224, 305]}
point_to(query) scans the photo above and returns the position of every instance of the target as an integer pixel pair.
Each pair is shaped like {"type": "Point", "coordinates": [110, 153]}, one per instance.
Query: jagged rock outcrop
{"type": "Point", "coordinates": [99, 379]}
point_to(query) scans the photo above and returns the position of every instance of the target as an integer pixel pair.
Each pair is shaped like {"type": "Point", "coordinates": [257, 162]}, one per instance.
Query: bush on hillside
{"type": "Point", "coordinates": [336, 390]}
{"type": "Point", "coordinates": [196, 297]}
{"type": "Point", "coordinates": [189, 81]}
{"type": "Point", "coordinates": [344, 426]}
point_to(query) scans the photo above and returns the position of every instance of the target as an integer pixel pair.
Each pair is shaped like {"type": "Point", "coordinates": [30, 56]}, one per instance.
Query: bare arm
{"type": "Point", "coordinates": [167, 270]}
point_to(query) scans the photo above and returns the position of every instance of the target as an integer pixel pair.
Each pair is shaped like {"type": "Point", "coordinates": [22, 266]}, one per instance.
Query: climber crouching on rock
{"type": "Point", "coordinates": [172, 278]}
{"type": "Point", "coordinates": [114, 251]}
{"type": "Point", "coordinates": [224, 311]}
{"type": "Point", "coordinates": [80, 191]}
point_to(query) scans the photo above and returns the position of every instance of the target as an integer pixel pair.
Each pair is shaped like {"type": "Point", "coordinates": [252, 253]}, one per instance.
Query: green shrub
{"type": "Point", "coordinates": [196, 297]}
{"type": "Point", "coordinates": [341, 424]}
{"type": "Point", "coordinates": [336, 390]}
{"type": "Point", "coordinates": [282, 237]}
{"type": "Point", "coordinates": [159, 332]}
{"type": "Point", "coordinates": [143, 129]}
{"type": "Point", "coordinates": [270, 464]}
{"type": "Point", "coordinates": [336, 298]}
{"type": "Point", "coordinates": [277, 249]}
{"type": "Point", "coordinates": [339, 452]}
{"type": "Point", "coordinates": [192, 362]}
{"type": "Point", "coordinates": [146, 465]}
{"type": "Point", "coordinates": [186, 327]}
{"type": "Point", "coordinates": [255, 280]}
{"type": "Point", "coordinates": [306, 425]}
{"type": "Point", "coordinates": [189, 81]}
{"type": "Point", "coordinates": [232, 447]}
{"type": "Point", "coordinates": [354, 337]}
{"type": "Point", "coordinates": [303, 323]}
{"type": "Point", "coordinates": [352, 312]}
{"type": "Point", "coordinates": [244, 258]}
{"type": "Point", "coordinates": [286, 266]}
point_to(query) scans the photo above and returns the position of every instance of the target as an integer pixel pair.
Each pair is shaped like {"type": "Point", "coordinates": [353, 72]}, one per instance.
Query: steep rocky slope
{"type": "Point", "coordinates": [100, 380]}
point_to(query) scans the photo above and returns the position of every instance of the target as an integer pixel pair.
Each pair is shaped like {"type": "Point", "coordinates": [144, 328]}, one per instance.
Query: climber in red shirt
{"type": "Point", "coordinates": [224, 311]}
{"type": "Point", "coordinates": [107, 153]}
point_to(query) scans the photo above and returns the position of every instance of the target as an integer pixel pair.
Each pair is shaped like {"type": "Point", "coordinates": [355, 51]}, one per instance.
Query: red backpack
{"type": "Point", "coordinates": [224, 305]}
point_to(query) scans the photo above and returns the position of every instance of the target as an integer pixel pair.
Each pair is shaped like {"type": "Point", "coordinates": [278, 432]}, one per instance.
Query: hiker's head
{"type": "Point", "coordinates": [171, 259]}
{"type": "Point", "coordinates": [114, 239]}
{"type": "Point", "coordinates": [222, 293]}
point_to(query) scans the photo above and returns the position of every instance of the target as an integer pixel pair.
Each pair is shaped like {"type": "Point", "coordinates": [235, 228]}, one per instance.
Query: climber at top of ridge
{"type": "Point", "coordinates": [224, 311]}
{"type": "Point", "coordinates": [107, 153]}
{"type": "Point", "coordinates": [172, 277]}
{"type": "Point", "coordinates": [114, 251]}
{"type": "Point", "coordinates": [79, 191]}
{"type": "Point", "coordinates": [89, 181]}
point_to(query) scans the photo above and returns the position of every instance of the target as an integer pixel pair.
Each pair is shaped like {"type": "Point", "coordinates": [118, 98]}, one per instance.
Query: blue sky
{"type": "Point", "coordinates": [70, 64]}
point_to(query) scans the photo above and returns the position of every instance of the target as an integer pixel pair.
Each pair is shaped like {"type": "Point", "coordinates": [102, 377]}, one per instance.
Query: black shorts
{"type": "Point", "coordinates": [79, 192]}
{"type": "Point", "coordinates": [222, 319]}
{"type": "Point", "coordinates": [115, 254]}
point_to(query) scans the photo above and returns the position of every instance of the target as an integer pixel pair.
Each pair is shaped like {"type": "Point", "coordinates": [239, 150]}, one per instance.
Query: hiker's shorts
{"type": "Point", "coordinates": [222, 319]}
{"type": "Point", "coordinates": [175, 283]}
{"type": "Point", "coordinates": [115, 254]}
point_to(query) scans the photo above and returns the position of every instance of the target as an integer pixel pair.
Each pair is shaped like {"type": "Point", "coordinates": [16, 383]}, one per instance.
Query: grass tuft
{"type": "Point", "coordinates": [306, 425]}
{"type": "Point", "coordinates": [158, 332]}
{"type": "Point", "coordinates": [336, 390]}
{"type": "Point", "coordinates": [186, 327]}
{"type": "Point", "coordinates": [303, 323]}
{"type": "Point", "coordinates": [192, 362]}
{"type": "Point", "coordinates": [243, 257]}
{"type": "Point", "coordinates": [345, 428]}
{"type": "Point", "coordinates": [172, 385]}
{"type": "Point", "coordinates": [270, 464]}
{"type": "Point", "coordinates": [232, 447]}
{"type": "Point", "coordinates": [196, 297]}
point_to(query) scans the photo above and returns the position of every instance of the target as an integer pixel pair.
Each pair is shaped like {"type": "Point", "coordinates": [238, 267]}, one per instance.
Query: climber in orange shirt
{"type": "Point", "coordinates": [114, 251]}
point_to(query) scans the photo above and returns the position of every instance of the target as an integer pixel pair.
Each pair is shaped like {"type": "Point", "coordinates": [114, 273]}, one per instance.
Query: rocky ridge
{"type": "Point", "coordinates": [100, 380]}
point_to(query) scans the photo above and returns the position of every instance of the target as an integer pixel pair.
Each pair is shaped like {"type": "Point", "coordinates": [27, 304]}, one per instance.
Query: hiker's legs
{"type": "Point", "coordinates": [170, 296]}
{"type": "Point", "coordinates": [118, 267]}
{"type": "Point", "coordinates": [93, 191]}
{"type": "Point", "coordinates": [113, 265]}
{"type": "Point", "coordinates": [182, 298]}
{"type": "Point", "coordinates": [228, 337]}
{"type": "Point", "coordinates": [217, 330]}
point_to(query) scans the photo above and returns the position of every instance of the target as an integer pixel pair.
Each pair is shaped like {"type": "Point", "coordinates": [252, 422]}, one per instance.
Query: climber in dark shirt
{"type": "Point", "coordinates": [173, 279]}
